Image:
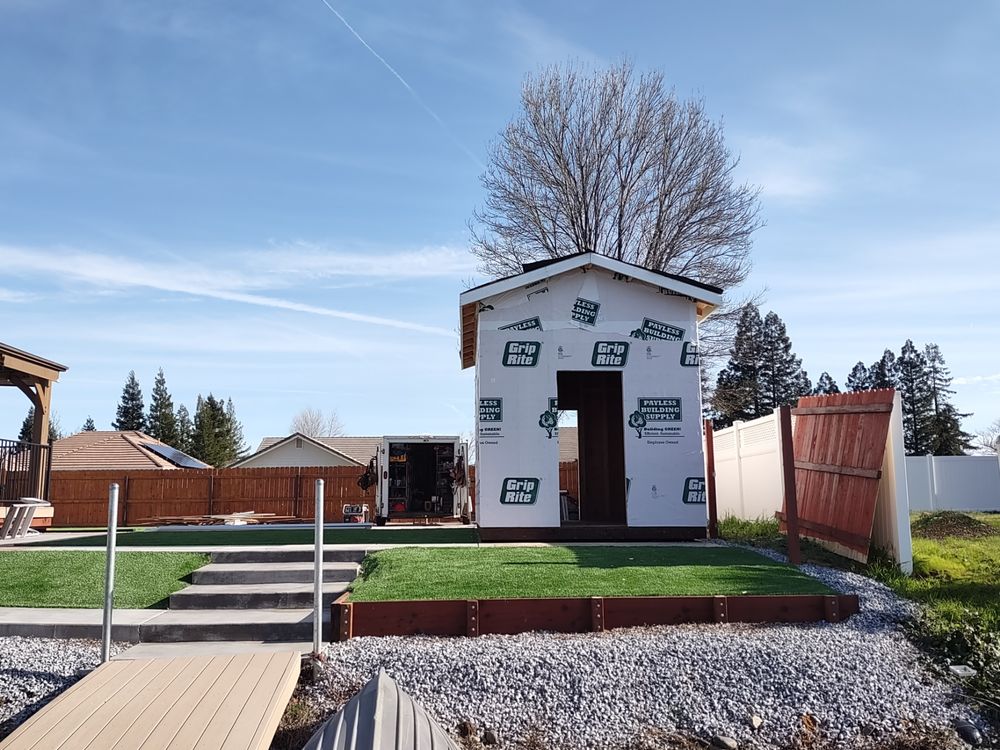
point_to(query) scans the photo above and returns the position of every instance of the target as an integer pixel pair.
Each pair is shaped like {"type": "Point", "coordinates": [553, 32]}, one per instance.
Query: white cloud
{"type": "Point", "coordinates": [240, 277]}
{"type": "Point", "coordinates": [977, 379]}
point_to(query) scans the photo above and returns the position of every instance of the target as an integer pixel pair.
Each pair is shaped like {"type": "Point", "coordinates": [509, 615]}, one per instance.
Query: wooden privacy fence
{"type": "Point", "coordinates": [839, 448]}
{"type": "Point", "coordinates": [81, 497]}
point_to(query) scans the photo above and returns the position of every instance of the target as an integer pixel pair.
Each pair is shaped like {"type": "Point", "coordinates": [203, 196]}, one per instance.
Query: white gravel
{"type": "Point", "coordinates": [33, 671]}
{"type": "Point", "coordinates": [860, 678]}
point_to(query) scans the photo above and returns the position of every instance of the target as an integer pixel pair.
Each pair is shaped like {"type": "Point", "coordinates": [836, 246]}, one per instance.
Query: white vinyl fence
{"type": "Point", "coordinates": [748, 469]}
{"type": "Point", "coordinates": [953, 482]}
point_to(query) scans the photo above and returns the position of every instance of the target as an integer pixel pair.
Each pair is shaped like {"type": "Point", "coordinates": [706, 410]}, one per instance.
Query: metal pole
{"type": "Point", "coordinates": [109, 572]}
{"type": "Point", "coordinates": [318, 572]}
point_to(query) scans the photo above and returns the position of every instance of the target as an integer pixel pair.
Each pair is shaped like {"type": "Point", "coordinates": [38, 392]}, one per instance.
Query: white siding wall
{"type": "Point", "coordinates": [289, 455]}
{"type": "Point", "coordinates": [953, 482]}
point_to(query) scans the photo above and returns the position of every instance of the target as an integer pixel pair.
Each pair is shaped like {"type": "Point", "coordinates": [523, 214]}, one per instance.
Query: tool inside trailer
{"type": "Point", "coordinates": [420, 479]}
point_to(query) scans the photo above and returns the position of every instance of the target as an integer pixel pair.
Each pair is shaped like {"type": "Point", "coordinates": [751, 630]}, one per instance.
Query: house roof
{"type": "Point", "coordinates": [113, 449]}
{"type": "Point", "coordinates": [357, 450]}
{"type": "Point", "coordinates": [705, 296]}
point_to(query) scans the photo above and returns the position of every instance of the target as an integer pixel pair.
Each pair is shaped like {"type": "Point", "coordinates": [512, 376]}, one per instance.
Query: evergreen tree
{"type": "Point", "coordinates": [738, 394]}
{"type": "Point", "coordinates": [28, 424]}
{"type": "Point", "coordinates": [234, 428]}
{"type": "Point", "coordinates": [947, 437]}
{"type": "Point", "coordinates": [915, 395]}
{"type": "Point", "coordinates": [217, 437]}
{"type": "Point", "coordinates": [185, 429]}
{"type": "Point", "coordinates": [860, 379]}
{"type": "Point", "coordinates": [162, 422]}
{"type": "Point", "coordinates": [883, 373]}
{"type": "Point", "coordinates": [782, 378]}
{"type": "Point", "coordinates": [89, 425]}
{"type": "Point", "coordinates": [826, 385]}
{"type": "Point", "coordinates": [131, 411]}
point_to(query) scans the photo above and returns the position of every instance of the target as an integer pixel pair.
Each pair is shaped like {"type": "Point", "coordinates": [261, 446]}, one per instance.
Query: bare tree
{"type": "Point", "coordinates": [988, 440]}
{"type": "Point", "coordinates": [315, 423]}
{"type": "Point", "coordinates": [615, 163]}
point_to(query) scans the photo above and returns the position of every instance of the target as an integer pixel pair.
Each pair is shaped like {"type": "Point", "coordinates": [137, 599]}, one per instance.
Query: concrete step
{"type": "Point", "coordinates": [279, 555]}
{"type": "Point", "coordinates": [274, 572]}
{"type": "Point", "coordinates": [232, 625]}
{"type": "Point", "coordinates": [254, 596]}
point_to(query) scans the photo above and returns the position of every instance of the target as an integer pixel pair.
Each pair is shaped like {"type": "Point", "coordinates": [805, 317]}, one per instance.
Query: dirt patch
{"type": "Point", "coordinates": [949, 523]}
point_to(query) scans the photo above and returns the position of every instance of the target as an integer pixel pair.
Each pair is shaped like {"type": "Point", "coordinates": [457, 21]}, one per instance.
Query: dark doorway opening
{"type": "Point", "coordinates": [596, 397]}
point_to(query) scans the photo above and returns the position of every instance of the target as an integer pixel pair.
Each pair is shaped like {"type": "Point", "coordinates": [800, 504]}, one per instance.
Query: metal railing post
{"type": "Point", "coordinates": [318, 572]}
{"type": "Point", "coordinates": [109, 572]}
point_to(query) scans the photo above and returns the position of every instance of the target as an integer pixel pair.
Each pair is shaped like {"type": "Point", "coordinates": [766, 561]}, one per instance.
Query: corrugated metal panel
{"type": "Point", "coordinates": [381, 717]}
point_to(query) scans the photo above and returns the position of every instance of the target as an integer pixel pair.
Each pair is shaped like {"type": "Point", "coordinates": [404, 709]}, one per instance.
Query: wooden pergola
{"type": "Point", "coordinates": [33, 376]}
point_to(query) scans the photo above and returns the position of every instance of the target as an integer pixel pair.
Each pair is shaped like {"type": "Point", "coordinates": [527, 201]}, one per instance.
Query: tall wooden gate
{"type": "Point", "coordinates": [839, 447]}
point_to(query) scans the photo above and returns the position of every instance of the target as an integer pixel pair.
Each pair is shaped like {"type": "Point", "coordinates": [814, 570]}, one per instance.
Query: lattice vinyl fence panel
{"type": "Point", "coordinates": [839, 445]}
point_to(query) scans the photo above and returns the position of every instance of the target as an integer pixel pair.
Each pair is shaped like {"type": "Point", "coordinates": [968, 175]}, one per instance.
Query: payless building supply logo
{"type": "Point", "coordinates": [585, 311]}
{"type": "Point", "coordinates": [689, 354]}
{"type": "Point", "coordinates": [609, 354]}
{"type": "Point", "coordinates": [694, 491]}
{"type": "Point", "coordinates": [521, 353]}
{"type": "Point", "coordinates": [519, 491]}
{"type": "Point", "coordinates": [491, 410]}
{"type": "Point", "coordinates": [660, 409]}
{"type": "Point", "coordinates": [529, 324]}
{"type": "Point", "coordinates": [654, 330]}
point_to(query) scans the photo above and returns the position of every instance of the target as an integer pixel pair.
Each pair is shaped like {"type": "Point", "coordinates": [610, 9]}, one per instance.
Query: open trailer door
{"type": "Point", "coordinates": [463, 498]}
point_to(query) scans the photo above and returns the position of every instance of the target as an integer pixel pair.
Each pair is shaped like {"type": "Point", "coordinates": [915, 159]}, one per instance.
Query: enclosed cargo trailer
{"type": "Point", "coordinates": [423, 476]}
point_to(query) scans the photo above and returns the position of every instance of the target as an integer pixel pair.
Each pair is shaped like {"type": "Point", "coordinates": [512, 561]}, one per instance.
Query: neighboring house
{"type": "Point", "coordinates": [118, 450]}
{"type": "Point", "coordinates": [301, 450]}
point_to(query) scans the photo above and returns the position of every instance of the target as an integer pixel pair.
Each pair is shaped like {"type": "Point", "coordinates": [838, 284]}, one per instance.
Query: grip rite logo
{"type": "Point", "coordinates": [610, 354]}
{"type": "Point", "coordinates": [689, 354]}
{"type": "Point", "coordinates": [521, 353]}
{"type": "Point", "coordinates": [519, 491]}
{"type": "Point", "coordinates": [694, 491]}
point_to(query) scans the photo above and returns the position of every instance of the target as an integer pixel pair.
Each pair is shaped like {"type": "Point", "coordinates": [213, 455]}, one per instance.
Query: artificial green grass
{"type": "Point", "coordinates": [268, 537]}
{"type": "Point", "coordinates": [514, 572]}
{"type": "Point", "coordinates": [64, 578]}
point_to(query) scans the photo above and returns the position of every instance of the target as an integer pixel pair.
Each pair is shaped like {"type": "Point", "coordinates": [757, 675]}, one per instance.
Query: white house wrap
{"type": "Point", "coordinates": [618, 344]}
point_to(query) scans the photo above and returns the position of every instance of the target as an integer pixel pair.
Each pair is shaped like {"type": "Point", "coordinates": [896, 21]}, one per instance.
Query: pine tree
{"type": "Point", "coordinates": [916, 398]}
{"type": "Point", "coordinates": [738, 394]}
{"type": "Point", "coordinates": [947, 437]}
{"type": "Point", "coordinates": [89, 425]}
{"type": "Point", "coordinates": [185, 429]}
{"type": "Point", "coordinates": [162, 422]}
{"type": "Point", "coordinates": [217, 438]}
{"type": "Point", "coordinates": [782, 378]}
{"type": "Point", "coordinates": [237, 445]}
{"type": "Point", "coordinates": [131, 411]}
{"type": "Point", "coordinates": [826, 385]}
{"type": "Point", "coordinates": [883, 373]}
{"type": "Point", "coordinates": [27, 427]}
{"type": "Point", "coordinates": [860, 379]}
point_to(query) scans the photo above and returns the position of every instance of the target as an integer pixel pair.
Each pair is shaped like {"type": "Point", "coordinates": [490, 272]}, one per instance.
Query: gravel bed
{"type": "Point", "coordinates": [861, 680]}
{"type": "Point", "coordinates": [33, 671]}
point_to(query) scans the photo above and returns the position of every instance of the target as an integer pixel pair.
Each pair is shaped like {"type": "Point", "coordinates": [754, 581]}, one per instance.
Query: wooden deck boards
{"type": "Point", "coordinates": [229, 702]}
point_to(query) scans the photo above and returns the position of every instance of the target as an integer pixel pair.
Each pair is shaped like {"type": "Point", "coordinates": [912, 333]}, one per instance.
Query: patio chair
{"type": "Point", "coordinates": [17, 522]}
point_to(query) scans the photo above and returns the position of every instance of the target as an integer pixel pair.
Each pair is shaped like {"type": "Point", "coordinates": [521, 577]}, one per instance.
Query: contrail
{"type": "Point", "coordinates": [408, 87]}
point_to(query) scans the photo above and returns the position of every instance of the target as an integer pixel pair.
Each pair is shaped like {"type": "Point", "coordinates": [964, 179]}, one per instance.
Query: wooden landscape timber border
{"type": "Point", "coordinates": [461, 617]}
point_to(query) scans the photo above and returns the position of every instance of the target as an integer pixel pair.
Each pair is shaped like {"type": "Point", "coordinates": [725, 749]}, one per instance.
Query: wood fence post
{"type": "Point", "coordinates": [211, 492]}
{"type": "Point", "coordinates": [297, 501]}
{"type": "Point", "coordinates": [788, 477]}
{"type": "Point", "coordinates": [123, 516]}
{"type": "Point", "coordinates": [713, 508]}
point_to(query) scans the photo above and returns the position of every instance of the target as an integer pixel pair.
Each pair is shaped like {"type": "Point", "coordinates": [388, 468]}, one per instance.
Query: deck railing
{"type": "Point", "coordinates": [24, 470]}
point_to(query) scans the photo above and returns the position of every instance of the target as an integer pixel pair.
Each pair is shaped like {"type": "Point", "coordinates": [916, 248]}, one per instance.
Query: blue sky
{"type": "Point", "coordinates": [243, 194]}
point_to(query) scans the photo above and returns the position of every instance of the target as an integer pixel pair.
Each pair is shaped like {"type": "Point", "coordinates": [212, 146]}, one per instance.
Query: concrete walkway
{"type": "Point", "coordinates": [134, 625]}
